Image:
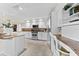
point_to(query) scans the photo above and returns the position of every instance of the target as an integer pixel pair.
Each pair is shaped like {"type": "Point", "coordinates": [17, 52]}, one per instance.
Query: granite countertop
{"type": "Point", "coordinates": [31, 29]}
{"type": "Point", "coordinates": [74, 45]}
{"type": "Point", "coordinates": [5, 36]}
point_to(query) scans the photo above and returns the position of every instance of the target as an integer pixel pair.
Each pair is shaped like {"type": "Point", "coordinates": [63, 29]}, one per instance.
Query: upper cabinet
{"type": "Point", "coordinates": [71, 12]}
{"type": "Point", "coordinates": [41, 23]}
{"type": "Point", "coordinates": [29, 23]}
{"type": "Point", "coordinates": [67, 6]}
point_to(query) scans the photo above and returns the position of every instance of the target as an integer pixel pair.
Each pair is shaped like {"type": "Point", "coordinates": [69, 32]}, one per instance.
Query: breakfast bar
{"type": "Point", "coordinates": [74, 45]}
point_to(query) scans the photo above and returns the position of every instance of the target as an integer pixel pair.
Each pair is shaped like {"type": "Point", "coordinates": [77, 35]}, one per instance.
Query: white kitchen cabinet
{"type": "Point", "coordinates": [66, 14]}
{"type": "Point", "coordinates": [39, 36]}
{"type": "Point", "coordinates": [41, 23]}
{"type": "Point", "coordinates": [28, 35]}
{"type": "Point", "coordinates": [8, 46]}
{"type": "Point", "coordinates": [13, 46]}
{"type": "Point", "coordinates": [19, 44]}
{"type": "Point", "coordinates": [42, 35]}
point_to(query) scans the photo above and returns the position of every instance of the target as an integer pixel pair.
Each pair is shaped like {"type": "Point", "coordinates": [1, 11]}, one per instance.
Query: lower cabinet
{"type": "Point", "coordinates": [42, 35]}
{"type": "Point", "coordinates": [19, 44]}
{"type": "Point", "coordinates": [28, 35]}
{"type": "Point", "coordinates": [8, 47]}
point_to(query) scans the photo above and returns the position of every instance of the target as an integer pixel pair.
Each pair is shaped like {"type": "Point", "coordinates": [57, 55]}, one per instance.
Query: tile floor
{"type": "Point", "coordinates": [36, 48]}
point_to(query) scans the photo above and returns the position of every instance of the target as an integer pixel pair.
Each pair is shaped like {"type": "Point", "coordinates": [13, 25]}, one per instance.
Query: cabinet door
{"type": "Point", "coordinates": [39, 35]}
{"type": "Point", "coordinates": [8, 47]}
{"type": "Point", "coordinates": [44, 36]}
{"type": "Point", "coordinates": [19, 44]}
{"type": "Point", "coordinates": [28, 35]}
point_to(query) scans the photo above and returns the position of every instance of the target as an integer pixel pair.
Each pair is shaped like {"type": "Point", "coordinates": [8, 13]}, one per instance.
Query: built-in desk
{"type": "Point", "coordinates": [74, 45]}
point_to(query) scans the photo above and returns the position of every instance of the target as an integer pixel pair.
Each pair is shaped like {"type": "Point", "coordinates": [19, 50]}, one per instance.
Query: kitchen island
{"type": "Point", "coordinates": [12, 45]}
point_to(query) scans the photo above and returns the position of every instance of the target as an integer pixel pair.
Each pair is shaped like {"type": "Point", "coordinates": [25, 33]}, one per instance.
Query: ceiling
{"type": "Point", "coordinates": [25, 10]}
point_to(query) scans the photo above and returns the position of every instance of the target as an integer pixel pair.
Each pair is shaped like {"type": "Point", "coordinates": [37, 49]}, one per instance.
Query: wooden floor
{"type": "Point", "coordinates": [36, 48]}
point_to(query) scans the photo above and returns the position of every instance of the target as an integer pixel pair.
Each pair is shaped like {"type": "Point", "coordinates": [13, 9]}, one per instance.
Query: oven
{"type": "Point", "coordinates": [35, 32]}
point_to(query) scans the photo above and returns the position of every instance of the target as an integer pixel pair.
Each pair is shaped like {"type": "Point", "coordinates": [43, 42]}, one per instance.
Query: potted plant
{"type": "Point", "coordinates": [8, 27]}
